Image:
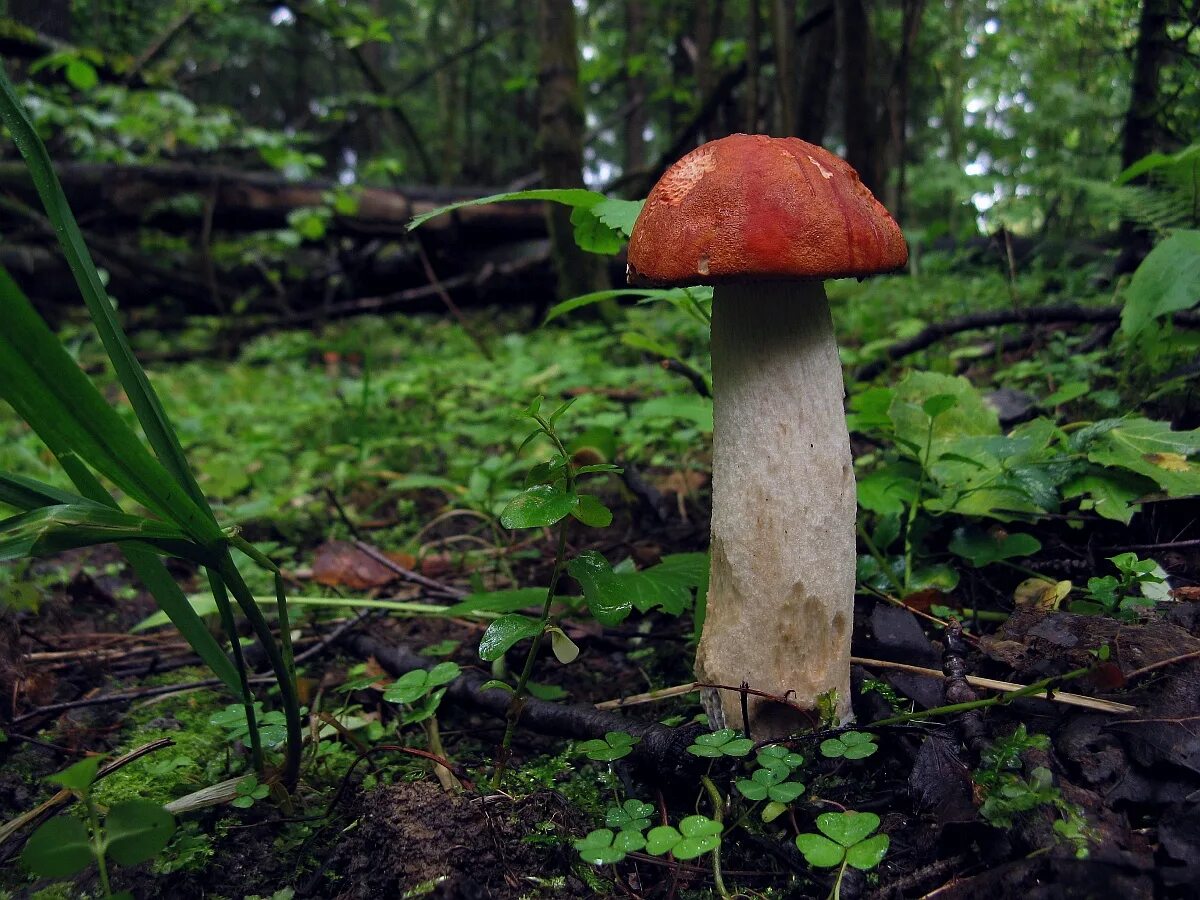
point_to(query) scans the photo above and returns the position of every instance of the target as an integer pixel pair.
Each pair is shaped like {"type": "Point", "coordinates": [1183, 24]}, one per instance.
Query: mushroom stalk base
{"type": "Point", "coordinates": [781, 597]}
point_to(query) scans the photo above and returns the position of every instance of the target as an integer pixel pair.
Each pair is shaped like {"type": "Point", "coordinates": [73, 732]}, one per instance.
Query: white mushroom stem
{"type": "Point", "coordinates": [781, 598]}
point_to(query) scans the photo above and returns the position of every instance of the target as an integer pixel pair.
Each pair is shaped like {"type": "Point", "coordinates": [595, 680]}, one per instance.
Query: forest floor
{"type": "Point", "coordinates": [398, 436]}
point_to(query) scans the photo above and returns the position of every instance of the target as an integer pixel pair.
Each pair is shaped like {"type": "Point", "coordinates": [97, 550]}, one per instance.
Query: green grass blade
{"type": "Point", "coordinates": [52, 529]}
{"type": "Point", "coordinates": [129, 371]}
{"type": "Point", "coordinates": [26, 493]}
{"type": "Point", "coordinates": [50, 392]}
{"type": "Point", "coordinates": [174, 604]}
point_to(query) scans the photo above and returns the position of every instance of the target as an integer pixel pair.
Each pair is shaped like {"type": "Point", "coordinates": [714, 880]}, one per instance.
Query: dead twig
{"type": "Point", "coordinates": [1034, 315]}
{"type": "Point", "coordinates": [990, 684]}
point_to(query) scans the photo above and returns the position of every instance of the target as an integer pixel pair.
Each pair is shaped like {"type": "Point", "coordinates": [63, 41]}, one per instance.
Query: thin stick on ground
{"type": "Point", "coordinates": [991, 684]}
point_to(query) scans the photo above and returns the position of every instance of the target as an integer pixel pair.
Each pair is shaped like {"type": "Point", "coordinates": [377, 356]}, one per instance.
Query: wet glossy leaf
{"type": "Point", "coordinates": [503, 633]}
{"type": "Point", "coordinates": [537, 507]}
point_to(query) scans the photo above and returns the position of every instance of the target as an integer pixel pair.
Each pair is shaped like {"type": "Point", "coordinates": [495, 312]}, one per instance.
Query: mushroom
{"type": "Point", "coordinates": [765, 220]}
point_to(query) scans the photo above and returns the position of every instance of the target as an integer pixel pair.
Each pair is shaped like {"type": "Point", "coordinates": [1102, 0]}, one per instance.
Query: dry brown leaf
{"type": "Point", "coordinates": [341, 564]}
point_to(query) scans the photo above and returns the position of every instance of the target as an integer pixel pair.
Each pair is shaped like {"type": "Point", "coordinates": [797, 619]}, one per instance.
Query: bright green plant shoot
{"type": "Point", "coordinates": [551, 497]}
{"type": "Point", "coordinates": [132, 832]}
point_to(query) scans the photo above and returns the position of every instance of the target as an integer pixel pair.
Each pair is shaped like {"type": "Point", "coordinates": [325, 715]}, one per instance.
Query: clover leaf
{"type": "Point", "coordinates": [846, 837]}
{"type": "Point", "coordinates": [770, 782]}
{"type": "Point", "coordinates": [721, 743]}
{"type": "Point", "coordinates": [695, 836]}
{"type": "Point", "coordinates": [775, 755]}
{"type": "Point", "coordinates": [632, 815]}
{"type": "Point", "coordinates": [614, 745]}
{"type": "Point", "coordinates": [602, 847]}
{"type": "Point", "coordinates": [851, 745]}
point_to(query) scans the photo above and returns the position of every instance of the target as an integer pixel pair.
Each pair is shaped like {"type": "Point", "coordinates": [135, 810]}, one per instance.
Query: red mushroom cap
{"type": "Point", "coordinates": [751, 207]}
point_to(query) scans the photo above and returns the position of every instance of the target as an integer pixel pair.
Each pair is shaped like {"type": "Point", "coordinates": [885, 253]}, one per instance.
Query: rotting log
{"type": "Point", "coordinates": [249, 201]}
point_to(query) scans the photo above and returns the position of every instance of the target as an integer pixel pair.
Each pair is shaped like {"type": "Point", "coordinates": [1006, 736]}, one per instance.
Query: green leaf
{"type": "Point", "coordinates": [408, 688]}
{"type": "Point", "coordinates": [591, 512]}
{"type": "Point", "coordinates": [619, 215]}
{"type": "Point", "coordinates": [138, 830]}
{"type": "Point", "coordinates": [887, 490]}
{"type": "Point", "coordinates": [52, 529]}
{"type": "Point", "coordinates": [776, 755]}
{"type": "Point", "coordinates": [661, 839]}
{"type": "Point", "coordinates": [537, 507]}
{"type": "Point", "coordinates": [58, 849]}
{"type": "Point", "coordinates": [700, 835]}
{"type": "Point", "coordinates": [496, 684]}
{"type": "Point", "coordinates": [939, 403]}
{"type": "Point", "coordinates": [498, 601]}
{"type": "Point", "coordinates": [725, 742]}
{"type": "Point", "coordinates": [969, 415]}
{"type": "Point", "coordinates": [192, 512]}
{"type": "Point", "coordinates": [632, 814]}
{"type": "Point", "coordinates": [847, 828]}
{"type": "Point", "coordinates": [869, 853]}
{"type": "Point", "coordinates": [79, 776]}
{"type": "Point", "coordinates": [1167, 281]}
{"type": "Point", "coordinates": [48, 390]}
{"type": "Point", "coordinates": [773, 811]}
{"type": "Point", "coordinates": [614, 745]}
{"type": "Point", "coordinates": [751, 790]}
{"type": "Point", "coordinates": [787, 792]}
{"type": "Point", "coordinates": [597, 848]}
{"type": "Point", "coordinates": [820, 851]}
{"type": "Point", "coordinates": [606, 595]}
{"type": "Point", "coordinates": [592, 235]}
{"type": "Point", "coordinates": [982, 548]}
{"type": "Point", "coordinates": [82, 75]}
{"type": "Point", "coordinates": [574, 197]}
{"type": "Point", "coordinates": [503, 633]}
{"type": "Point", "coordinates": [1148, 448]}
{"type": "Point", "coordinates": [26, 493]}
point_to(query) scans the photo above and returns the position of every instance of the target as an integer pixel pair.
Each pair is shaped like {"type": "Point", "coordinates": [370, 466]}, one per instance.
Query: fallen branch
{"type": "Point", "coordinates": [661, 747]}
{"type": "Point", "coordinates": [1036, 315]}
{"type": "Point", "coordinates": [990, 684]}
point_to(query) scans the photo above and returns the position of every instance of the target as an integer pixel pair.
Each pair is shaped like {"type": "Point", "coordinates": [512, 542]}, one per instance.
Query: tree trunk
{"type": "Point", "coordinates": [952, 111]}
{"type": "Point", "coordinates": [49, 17]}
{"type": "Point", "coordinates": [560, 142]}
{"type": "Point", "coordinates": [753, 32]}
{"type": "Point", "coordinates": [859, 116]}
{"type": "Point", "coordinates": [635, 86]}
{"type": "Point", "coordinates": [820, 57]}
{"type": "Point", "coordinates": [784, 22]}
{"type": "Point", "coordinates": [1141, 120]}
{"type": "Point", "coordinates": [898, 94]}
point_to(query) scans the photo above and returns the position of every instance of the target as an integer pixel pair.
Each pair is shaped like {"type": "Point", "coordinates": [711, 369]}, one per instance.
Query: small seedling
{"type": "Point", "coordinates": [248, 791]}
{"type": "Point", "coordinates": [851, 745]}
{"type": "Point", "coordinates": [1122, 596]}
{"type": "Point", "coordinates": [133, 832]}
{"type": "Point", "coordinates": [846, 839]}
{"type": "Point", "coordinates": [421, 685]}
{"type": "Point", "coordinates": [695, 836]}
{"type": "Point", "coordinates": [272, 726]}
{"type": "Point", "coordinates": [725, 742]}
{"type": "Point", "coordinates": [614, 746]}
